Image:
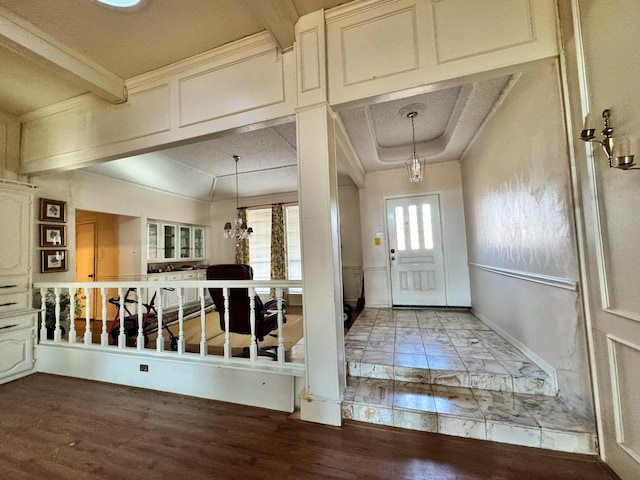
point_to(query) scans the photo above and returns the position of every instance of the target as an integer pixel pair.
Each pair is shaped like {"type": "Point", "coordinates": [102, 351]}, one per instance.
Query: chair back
{"type": "Point", "coordinates": [239, 308]}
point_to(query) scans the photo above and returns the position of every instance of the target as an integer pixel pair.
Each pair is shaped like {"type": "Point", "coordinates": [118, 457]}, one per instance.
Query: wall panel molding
{"type": "Point", "coordinates": [480, 21]}
{"type": "Point", "coordinates": [624, 361]}
{"type": "Point", "coordinates": [243, 89]}
{"type": "Point", "coordinates": [564, 283]}
{"type": "Point", "coordinates": [379, 47]}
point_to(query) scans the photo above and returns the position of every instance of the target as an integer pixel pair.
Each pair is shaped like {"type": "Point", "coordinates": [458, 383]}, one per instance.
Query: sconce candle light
{"type": "Point", "coordinates": [624, 160]}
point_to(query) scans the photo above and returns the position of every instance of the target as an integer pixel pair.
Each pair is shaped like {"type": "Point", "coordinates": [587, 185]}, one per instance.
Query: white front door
{"type": "Point", "coordinates": [415, 251]}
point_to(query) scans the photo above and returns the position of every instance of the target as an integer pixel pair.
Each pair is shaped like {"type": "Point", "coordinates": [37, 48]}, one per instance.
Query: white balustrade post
{"type": "Point", "coordinates": [57, 333]}
{"type": "Point", "coordinates": [280, 336]}
{"type": "Point", "coordinates": [253, 346]}
{"type": "Point", "coordinates": [43, 314]}
{"type": "Point", "coordinates": [227, 338]}
{"type": "Point", "coordinates": [87, 317]}
{"type": "Point", "coordinates": [104, 334]}
{"type": "Point", "coordinates": [72, 315]}
{"type": "Point", "coordinates": [140, 339]}
{"type": "Point", "coordinates": [160, 337]}
{"type": "Point", "coordinates": [122, 337]}
{"type": "Point", "coordinates": [180, 345]}
{"type": "Point", "coordinates": [203, 322]}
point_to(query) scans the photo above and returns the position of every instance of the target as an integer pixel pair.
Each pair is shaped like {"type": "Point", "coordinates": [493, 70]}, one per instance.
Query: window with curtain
{"type": "Point", "coordinates": [260, 244]}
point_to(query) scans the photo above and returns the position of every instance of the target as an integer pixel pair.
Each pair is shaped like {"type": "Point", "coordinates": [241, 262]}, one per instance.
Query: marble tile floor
{"type": "Point", "coordinates": [446, 372]}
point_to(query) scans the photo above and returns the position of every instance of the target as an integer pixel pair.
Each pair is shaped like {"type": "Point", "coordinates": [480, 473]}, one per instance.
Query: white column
{"type": "Point", "coordinates": [322, 277]}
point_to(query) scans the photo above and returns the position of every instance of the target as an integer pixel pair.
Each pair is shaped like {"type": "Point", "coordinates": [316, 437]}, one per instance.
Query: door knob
{"type": "Point", "coordinates": [90, 275]}
{"type": "Point", "coordinates": [393, 258]}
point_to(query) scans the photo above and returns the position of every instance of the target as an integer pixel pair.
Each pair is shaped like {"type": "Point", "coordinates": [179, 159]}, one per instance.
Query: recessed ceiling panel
{"type": "Point", "coordinates": [392, 127]}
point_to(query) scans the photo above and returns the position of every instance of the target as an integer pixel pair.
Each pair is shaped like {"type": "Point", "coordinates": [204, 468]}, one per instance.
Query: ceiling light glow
{"type": "Point", "coordinates": [121, 3]}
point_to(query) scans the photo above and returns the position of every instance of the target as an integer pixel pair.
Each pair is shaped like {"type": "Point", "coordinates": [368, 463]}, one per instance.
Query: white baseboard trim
{"type": "Point", "coordinates": [548, 369]}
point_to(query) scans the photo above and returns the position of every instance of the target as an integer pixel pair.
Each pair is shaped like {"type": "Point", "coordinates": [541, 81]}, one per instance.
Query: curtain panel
{"type": "Point", "coordinates": [242, 246]}
{"type": "Point", "coordinates": [278, 247]}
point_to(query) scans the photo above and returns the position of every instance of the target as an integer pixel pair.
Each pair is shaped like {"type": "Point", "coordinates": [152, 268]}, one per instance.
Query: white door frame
{"type": "Point", "coordinates": [386, 239]}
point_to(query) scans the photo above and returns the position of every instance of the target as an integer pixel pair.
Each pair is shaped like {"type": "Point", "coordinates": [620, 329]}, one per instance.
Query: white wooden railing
{"type": "Point", "coordinates": [53, 294]}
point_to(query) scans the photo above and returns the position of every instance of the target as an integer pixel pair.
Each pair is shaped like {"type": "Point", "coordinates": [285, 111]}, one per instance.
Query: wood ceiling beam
{"type": "Point", "coordinates": [25, 39]}
{"type": "Point", "coordinates": [279, 18]}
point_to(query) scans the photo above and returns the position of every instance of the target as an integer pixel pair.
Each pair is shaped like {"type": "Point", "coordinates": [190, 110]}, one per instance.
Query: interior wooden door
{"type": "Point", "coordinates": [86, 265]}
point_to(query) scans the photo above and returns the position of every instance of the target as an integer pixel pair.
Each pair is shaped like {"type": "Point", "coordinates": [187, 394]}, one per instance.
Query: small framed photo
{"type": "Point", "coordinates": [52, 210]}
{"type": "Point", "coordinates": [53, 235]}
{"type": "Point", "coordinates": [53, 261]}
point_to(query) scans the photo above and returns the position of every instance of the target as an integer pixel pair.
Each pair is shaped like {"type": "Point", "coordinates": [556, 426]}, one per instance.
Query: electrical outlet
{"type": "Point", "coordinates": [144, 368]}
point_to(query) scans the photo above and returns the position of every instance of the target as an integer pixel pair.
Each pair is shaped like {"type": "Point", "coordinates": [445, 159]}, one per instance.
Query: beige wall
{"type": "Point", "coordinates": [520, 227]}
{"type": "Point", "coordinates": [443, 179]}
{"type": "Point", "coordinates": [351, 243]}
{"type": "Point", "coordinates": [9, 146]}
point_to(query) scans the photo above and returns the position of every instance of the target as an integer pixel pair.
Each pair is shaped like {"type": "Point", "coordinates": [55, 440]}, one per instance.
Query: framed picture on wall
{"type": "Point", "coordinates": [53, 235]}
{"type": "Point", "coordinates": [52, 210]}
{"type": "Point", "coordinates": [53, 261]}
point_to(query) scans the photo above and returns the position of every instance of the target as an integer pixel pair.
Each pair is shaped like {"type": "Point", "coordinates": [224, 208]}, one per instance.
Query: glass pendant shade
{"type": "Point", "coordinates": [415, 164]}
{"type": "Point", "coordinates": [237, 230]}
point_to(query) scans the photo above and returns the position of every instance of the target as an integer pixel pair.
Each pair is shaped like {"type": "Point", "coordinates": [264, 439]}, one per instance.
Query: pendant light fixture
{"type": "Point", "coordinates": [238, 230]}
{"type": "Point", "coordinates": [415, 164]}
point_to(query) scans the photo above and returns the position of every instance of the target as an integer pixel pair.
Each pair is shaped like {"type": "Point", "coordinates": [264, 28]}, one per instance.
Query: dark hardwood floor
{"type": "Point", "coordinates": [56, 428]}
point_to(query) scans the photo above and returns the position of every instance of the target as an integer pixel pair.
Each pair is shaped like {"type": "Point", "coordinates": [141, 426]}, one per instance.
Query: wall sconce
{"type": "Point", "coordinates": [624, 160]}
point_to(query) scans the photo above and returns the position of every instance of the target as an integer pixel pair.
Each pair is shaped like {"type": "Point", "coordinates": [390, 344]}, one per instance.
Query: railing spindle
{"type": "Point", "coordinates": [104, 334]}
{"type": "Point", "coordinates": [203, 322]}
{"type": "Point", "coordinates": [280, 335]}
{"type": "Point", "coordinates": [160, 337]}
{"type": "Point", "coordinates": [43, 314]}
{"type": "Point", "coordinates": [180, 345]}
{"type": "Point", "coordinates": [140, 338]}
{"type": "Point", "coordinates": [227, 341]}
{"type": "Point", "coordinates": [87, 316]}
{"type": "Point", "coordinates": [72, 315]}
{"type": "Point", "coordinates": [57, 333]}
{"type": "Point", "coordinates": [253, 346]}
{"type": "Point", "coordinates": [122, 337]}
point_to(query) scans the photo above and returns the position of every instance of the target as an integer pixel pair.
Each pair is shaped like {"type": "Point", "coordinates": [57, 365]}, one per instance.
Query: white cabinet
{"type": "Point", "coordinates": [198, 243]}
{"type": "Point", "coordinates": [170, 297]}
{"type": "Point", "coordinates": [17, 319]}
{"type": "Point", "coordinates": [189, 295]}
{"type": "Point", "coordinates": [168, 242]}
{"type": "Point", "coordinates": [153, 241]}
{"type": "Point", "coordinates": [186, 239]}
{"type": "Point", "coordinates": [16, 346]}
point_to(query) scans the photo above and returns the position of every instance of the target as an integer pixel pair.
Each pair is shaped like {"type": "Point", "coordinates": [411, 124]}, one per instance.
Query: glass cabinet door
{"type": "Point", "coordinates": [198, 242]}
{"type": "Point", "coordinates": [185, 241]}
{"type": "Point", "coordinates": [170, 240]}
{"type": "Point", "coordinates": [153, 241]}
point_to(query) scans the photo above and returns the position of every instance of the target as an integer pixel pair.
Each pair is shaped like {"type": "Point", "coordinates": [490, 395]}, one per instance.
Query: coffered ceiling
{"type": "Point", "coordinates": [122, 45]}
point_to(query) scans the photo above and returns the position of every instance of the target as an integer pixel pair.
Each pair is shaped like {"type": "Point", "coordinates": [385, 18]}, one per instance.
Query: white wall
{"type": "Point", "coordinates": [443, 179]}
{"type": "Point", "coordinates": [100, 194]}
{"type": "Point", "coordinates": [520, 227]}
{"type": "Point", "coordinates": [351, 243]}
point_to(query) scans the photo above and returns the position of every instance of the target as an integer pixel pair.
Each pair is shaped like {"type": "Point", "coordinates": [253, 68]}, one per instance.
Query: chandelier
{"type": "Point", "coordinates": [415, 164]}
{"type": "Point", "coordinates": [238, 229]}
